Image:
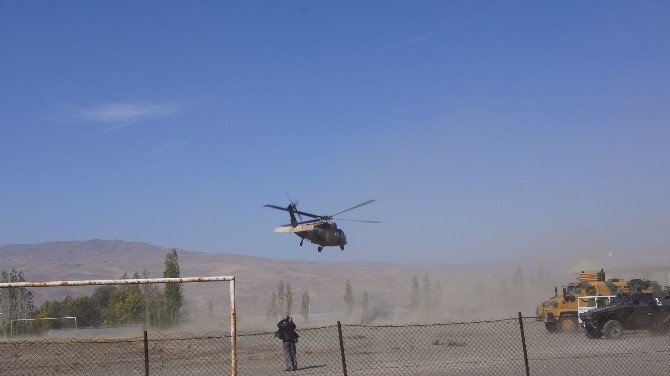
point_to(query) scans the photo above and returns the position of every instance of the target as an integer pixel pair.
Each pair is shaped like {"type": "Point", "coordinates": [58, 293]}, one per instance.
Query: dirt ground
{"type": "Point", "coordinates": [483, 348]}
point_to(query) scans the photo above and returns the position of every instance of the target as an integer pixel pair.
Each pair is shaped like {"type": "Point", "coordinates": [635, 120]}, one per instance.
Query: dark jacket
{"type": "Point", "coordinates": [286, 331]}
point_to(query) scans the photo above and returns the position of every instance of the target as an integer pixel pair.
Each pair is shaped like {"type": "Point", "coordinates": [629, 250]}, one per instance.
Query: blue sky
{"type": "Point", "coordinates": [487, 131]}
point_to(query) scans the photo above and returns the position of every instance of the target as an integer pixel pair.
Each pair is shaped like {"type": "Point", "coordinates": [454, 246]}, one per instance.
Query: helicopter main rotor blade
{"type": "Point", "coordinates": [357, 220]}
{"type": "Point", "coordinates": [354, 207]}
{"type": "Point", "coordinates": [275, 207]}
{"type": "Point", "coordinates": [307, 214]}
{"type": "Point", "coordinates": [295, 211]}
{"type": "Point", "coordinates": [304, 222]}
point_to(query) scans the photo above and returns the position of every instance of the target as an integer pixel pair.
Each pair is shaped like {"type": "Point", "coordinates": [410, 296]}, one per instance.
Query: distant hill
{"type": "Point", "coordinates": [257, 277]}
{"type": "Point", "coordinates": [389, 284]}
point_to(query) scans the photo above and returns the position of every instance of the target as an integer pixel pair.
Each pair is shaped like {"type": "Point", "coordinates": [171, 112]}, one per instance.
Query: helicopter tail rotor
{"type": "Point", "coordinates": [291, 211]}
{"type": "Point", "coordinates": [294, 204]}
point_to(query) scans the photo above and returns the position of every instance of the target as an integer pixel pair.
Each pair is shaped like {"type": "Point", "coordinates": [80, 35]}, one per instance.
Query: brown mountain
{"type": "Point", "coordinates": [388, 284]}
{"type": "Point", "coordinates": [256, 277]}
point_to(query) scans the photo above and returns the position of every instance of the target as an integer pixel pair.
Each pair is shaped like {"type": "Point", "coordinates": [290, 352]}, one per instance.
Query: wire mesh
{"type": "Point", "coordinates": [318, 352]}
{"type": "Point", "coordinates": [637, 352]}
{"type": "Point", "coordinates": [72, 357]}
{"type": "Point", "coordinates": [486, 348]}
{"type": "Point", "coordinates": [175, 353]}
{"type": "Point", "coordinates": [469, 348]}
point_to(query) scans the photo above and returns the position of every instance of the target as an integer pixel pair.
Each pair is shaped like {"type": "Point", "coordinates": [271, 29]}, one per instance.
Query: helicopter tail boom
{"type": "Point", "coordinates": [298, 228]}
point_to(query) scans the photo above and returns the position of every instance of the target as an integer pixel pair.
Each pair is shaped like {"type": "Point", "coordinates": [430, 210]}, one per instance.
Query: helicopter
{"type": "Point", "coordinates": [321, 229]}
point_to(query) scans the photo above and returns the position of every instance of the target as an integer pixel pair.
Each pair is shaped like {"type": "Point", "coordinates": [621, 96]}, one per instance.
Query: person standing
{"type": "Point", "coordinates": [289, 338]}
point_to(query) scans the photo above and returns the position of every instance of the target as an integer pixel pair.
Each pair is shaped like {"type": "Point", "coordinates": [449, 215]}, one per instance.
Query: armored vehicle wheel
{"type": "Point", "coordinates": [592, 333]}
{"type": "Point", "coordinates": [613, 329]}
{"type": "Point", "coordinates": [568, 324]}
{"type": "Point", "coordinates": [552, 327]}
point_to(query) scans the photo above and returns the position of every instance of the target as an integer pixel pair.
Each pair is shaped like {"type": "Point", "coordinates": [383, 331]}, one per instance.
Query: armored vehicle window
{"type": "Point", "coordinates": [642, 299]}
{"type": "Point", "coordinates": [647, 300]}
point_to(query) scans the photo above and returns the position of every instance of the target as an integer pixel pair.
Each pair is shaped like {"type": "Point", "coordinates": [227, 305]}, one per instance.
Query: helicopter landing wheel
{"type": "Point", "coordinates": [320, 249]}
{"type": "Point", "coordinates": [302, 240]}
{"type": "Point", "coordinates": [341, 248]}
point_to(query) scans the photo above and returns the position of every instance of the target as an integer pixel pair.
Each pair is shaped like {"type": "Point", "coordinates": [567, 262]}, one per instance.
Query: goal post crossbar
{"type": "Point", "coordinates": [126, 281]}
{"type": "Point", "coordinates": [143, 281]}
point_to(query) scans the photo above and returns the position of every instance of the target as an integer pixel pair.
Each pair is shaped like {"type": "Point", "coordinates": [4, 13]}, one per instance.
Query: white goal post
{"type": "Point", "coordinates": [143, 281]}
{"type": "Point", "coordinates": [11, 322]}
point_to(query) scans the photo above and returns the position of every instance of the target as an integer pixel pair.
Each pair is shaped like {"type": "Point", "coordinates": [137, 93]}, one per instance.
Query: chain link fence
{"type": "Point", "coordinates": [469, 348]}
{"type": "Point", "coordinates": [486, 348]}
{"type": "Point", "coordinates": [637, 352]}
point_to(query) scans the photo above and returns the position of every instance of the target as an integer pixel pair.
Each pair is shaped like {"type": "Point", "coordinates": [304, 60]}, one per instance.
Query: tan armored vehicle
{"type": "Point", "coordinates": [560, 312]}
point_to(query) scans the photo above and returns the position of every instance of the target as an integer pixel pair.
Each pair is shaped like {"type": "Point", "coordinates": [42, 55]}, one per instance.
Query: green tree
{"type": "Point", "coordinates": [289, 299]}
{"type": "Point", "coordinates": [272, 311]}
{"type": "Point", "coordinates": [426, 293]}
{"type": "Point", "coordinates": [541, 275]}
{"type": "Point", "coordinates": [109, 306]}
{"type": "Point", "coordinates": [174, 298]}
{"type": "Point", "coordinates": [84, 309]}
{"type": "Point", "coordinates": [415, 293]}
{"type": "Point", "coordinates": [503, 294]}
{"type": "Point", "coordinates": [517, 281]}
{"type": "Point", "coordinates": [125, 305]}
{"type": "Point", "coordinates": [480, 298]}
{"type": "Point", "coordinates": [155, 306]}
{"type": "Point", "coordinates": [54, 309]}
{"type": "Point", "coordinates": [101, 297]}
{"type": "Point", "coordinates": [437, 291]}
{"type": "Point", "coordinates": [15, 303]}
{"type": "Point", "coordinates": [349, 297]}
{"type": "Point", "coordinates": [304, 306]}
{"type": "Point", "coordinates": [48, 309]}
{"type": "Point", "coordinates": [518, 295]}
{"type": "Point", "coordinates": [210, 310]}
{"type": "Point", "coordinates": [281, 294]}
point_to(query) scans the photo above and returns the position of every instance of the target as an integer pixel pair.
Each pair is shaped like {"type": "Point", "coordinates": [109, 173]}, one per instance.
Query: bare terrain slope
{"type": "Point", "coordinates": [257, 277]}
{"type": "Point", "coordinates": [388, 285]}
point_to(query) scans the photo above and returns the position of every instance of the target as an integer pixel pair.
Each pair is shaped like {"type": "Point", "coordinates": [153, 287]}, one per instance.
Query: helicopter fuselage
{"type": "Point", "coordinates": [324, 234]}
{"type": "Point", "coordinates": [320, 230]}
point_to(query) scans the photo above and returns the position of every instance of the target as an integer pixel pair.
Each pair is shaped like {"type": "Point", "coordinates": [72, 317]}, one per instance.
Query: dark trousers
{"type": "Point", "coordinates": [290, 356]}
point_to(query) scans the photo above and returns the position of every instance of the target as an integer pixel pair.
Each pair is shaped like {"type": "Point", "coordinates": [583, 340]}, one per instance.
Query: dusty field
{"type": "Point", "coordinates": [486, 348]}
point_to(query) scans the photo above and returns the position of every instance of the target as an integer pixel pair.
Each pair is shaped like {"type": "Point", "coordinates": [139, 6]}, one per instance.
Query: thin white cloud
{"type": "Point", "coordinates": [123, 114]}
{"type": "Point", "coordinates": [421, 38]}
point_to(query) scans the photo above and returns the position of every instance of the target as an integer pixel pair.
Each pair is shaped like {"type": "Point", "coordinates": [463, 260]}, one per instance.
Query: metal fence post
{"type": "Point", "coordinates": [523, 344]}
{"type": "Point", "coordinates": [233, 330]}
{"type": "Point", "coordinates": [344, 362]}
{"type": "Point", "coordinates": [146, 355]}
